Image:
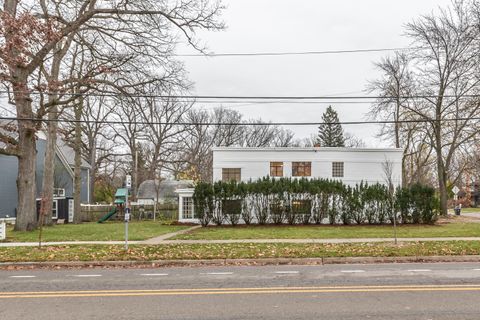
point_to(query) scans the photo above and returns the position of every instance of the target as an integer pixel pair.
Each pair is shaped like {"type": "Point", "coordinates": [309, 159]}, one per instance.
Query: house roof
{"type": "Point", "coordinates": [66, 152]}
{"type": "Point", "coordinates": [166, 188]}
{"type": "Point", "coordinates": [122, 192]}
{"type": "Point", "coordinates": [69, 154]}
{"type": "Point", "coordinates": [306, 149]}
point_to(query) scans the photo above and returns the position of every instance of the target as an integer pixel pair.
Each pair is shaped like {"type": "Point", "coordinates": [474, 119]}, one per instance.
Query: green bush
{"type": "Point", "coordinates": [417, 204]}
{"type": "Point", "coordinates": [305, 201]}
{"type": "Point", "coordinates": [203, 202]}
{"type": "Point", "coordinates": [277, 211]}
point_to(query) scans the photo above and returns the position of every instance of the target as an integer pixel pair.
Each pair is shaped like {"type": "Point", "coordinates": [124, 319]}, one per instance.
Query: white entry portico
{"type": "Point", "coordinates": [186, 209]}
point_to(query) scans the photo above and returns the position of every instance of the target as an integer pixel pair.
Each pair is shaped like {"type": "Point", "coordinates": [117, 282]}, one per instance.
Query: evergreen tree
{"type": "Point", "coordinates": [330, 134]}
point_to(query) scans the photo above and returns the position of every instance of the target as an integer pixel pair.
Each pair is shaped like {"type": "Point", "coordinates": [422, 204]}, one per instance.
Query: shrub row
{"type": "Point", "coordinates": [316, 201]}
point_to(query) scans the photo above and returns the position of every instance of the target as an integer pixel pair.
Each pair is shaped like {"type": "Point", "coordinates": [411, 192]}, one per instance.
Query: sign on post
{"type": "Point", "coordinates": [128, 181]}
{"type": "Point", "coordinates": [127, 218]}
{"type": "Point", "coordinates": [455, 191]}
{"type": "Point", "coordinates": [3, 231]}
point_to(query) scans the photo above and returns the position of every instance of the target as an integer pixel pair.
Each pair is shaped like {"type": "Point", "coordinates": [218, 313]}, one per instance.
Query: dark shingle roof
{"type": "Point", "coordinates": [147, 189]}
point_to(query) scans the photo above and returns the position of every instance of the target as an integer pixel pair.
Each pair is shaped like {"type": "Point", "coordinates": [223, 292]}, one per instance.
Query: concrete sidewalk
{"type": "Point", "coordinates": [162, 241]}
{"type": "Point", "coordinates": [353, 240]}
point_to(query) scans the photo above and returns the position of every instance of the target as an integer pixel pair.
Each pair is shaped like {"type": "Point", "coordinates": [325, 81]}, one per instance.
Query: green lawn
{"type": "Point", "coordinates": [328, 232]}
{"type": "Point", "coordinates": [94, 232]}
{"type": "Point", "coordinates": [236, 251]}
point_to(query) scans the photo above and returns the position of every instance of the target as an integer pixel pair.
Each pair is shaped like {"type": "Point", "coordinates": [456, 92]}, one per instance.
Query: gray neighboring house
{"type": "Point", "coordinates": [147, 191]}
{"type": "Point", "coordinates": [63, 180]}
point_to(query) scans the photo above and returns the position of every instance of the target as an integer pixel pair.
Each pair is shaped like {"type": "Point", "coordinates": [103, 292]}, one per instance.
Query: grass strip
{"type": "Point", "coordinates": [236, 251]}
{"type": "Point", "coordinates": [454, 229]}
{"type": "Point", "coordinates": [108, 231]}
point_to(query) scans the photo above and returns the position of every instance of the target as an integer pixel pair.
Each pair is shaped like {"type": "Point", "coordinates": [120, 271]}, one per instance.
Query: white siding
{"type": "Point", "coordinates": [359, 164]}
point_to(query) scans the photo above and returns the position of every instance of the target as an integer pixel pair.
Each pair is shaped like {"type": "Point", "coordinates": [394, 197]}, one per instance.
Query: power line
{"type": "Point", "coordinates": [238, 123]}
{"type": "Point", "coordinates": [194, 98]}
{"type": "Point", "coordinates": [292, 53]}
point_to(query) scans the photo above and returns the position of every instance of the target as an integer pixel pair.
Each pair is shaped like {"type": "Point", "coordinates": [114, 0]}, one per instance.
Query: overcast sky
{"type": "Point", "coordinates": [303, 25]}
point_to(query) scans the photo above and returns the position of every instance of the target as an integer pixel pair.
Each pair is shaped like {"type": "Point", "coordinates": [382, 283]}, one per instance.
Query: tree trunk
{"type": "Point", "coordinates": [49, 167]}
{"type": "Point", "coordinates": [135, 174]}
{"type": "Point", "coordinates": [77, 195]}
{"type": "Point", "coordinates": [93, 168]}
{"type": "Point", "coordinates": [442, 187]}
{"type": "Point", "coordinates": [26, 179]}
{"type": "Point", "coordinates": [441, 173]}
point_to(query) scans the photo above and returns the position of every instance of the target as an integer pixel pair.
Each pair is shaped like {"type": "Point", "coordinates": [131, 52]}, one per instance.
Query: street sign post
{"type": "Point", "coordinates": [3, 231]}
{"type": "Point", "coordinates": [127, 218]}
{"type": "Point", "coordinates": [455, 191]}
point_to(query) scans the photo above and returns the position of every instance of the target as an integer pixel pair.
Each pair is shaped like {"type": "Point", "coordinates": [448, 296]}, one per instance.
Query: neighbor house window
{"type": "Point", "coordinates": [301, 169]}
{"type": "Point", "coordinates": [187, 208]}
{"type": "Point", "coordinates": [337, 169]}
{"type": "Point", "coordinates": [276, 169]}
{"type": "Point", "coordinates": [55, 209]}
{"type": "Point", "coordinates": [229, 174]}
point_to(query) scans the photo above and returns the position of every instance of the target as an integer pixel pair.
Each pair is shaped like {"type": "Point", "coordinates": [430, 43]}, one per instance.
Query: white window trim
{"type": "Point", "coordinates": [59, 192]}
{"type": "Point", "coordinates": [56, 209]}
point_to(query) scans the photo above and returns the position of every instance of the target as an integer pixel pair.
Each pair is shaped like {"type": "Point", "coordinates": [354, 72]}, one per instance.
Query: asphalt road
{"type": "Point", "coordinates": [384, 291]}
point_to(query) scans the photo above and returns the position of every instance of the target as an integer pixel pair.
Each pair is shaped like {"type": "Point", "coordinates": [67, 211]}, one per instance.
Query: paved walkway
{"type": "Point", "coordinates": [162, 238]}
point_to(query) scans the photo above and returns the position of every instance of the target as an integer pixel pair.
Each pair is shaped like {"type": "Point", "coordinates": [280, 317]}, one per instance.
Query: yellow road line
{"type": "Point", "coordinates": [242, 289]}
{"type": "Point", "coordinates": [229, 291]}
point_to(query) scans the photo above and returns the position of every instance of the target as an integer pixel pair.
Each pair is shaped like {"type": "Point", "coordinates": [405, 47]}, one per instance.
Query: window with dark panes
{"type": "Point", "coordinates": [55, 209]}
{"type": "Point", "coordinates": [276, 169]}
{"type": "Point", "coordinates": [337, 169]}
{"type": "Point", "coordinates": [301, 169]}
{"type": "Point", "coordinates": [229, 174]}
{"type": "Point", "coordinates": [187, 208]}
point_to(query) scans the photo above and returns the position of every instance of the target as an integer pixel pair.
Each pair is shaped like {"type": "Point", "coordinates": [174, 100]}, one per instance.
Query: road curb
{"type": "Point", "coordinates": [237, 262]}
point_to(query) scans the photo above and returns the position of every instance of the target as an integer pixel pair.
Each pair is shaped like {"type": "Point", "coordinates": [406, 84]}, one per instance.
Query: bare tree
{"type": "Point", "coordinates": [387, 167]}
{"type": "Point", "coordinates": [222, 127]}
{"type": "Point", "coordinates": [164, 125]}
{"type": "Point", "coordinates": [447, 68]}
{"type": "Point", "coordinates": [97, 144]}
{"type": "Point", "coordinates": [444, 66]}
{"type": "Point", "coordinates": [284, 138]}
{"type": "Point", "coordinates": [352, 141]}
{"type": "Point", "coordinates": [394, 88]}
{"type": "Point", "coordinates": [29, 31]}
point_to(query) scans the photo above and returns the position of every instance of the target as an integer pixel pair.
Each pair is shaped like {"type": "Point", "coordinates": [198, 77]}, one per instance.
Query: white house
{"type": "Point", "coordinates": [350, 165]}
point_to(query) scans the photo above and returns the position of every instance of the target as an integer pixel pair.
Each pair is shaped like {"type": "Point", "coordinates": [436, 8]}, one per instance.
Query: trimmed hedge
{"type": "Point", "coordinates": [304, 201]}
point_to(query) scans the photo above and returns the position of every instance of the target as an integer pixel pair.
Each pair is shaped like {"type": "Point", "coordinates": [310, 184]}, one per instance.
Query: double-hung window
{"type": "Point", "coordinates": [276, 169]}
{"type": "Point", "coordinates": [301, 169]}
{"type": "Point", "coordinates": [229, 174]}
